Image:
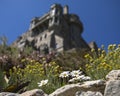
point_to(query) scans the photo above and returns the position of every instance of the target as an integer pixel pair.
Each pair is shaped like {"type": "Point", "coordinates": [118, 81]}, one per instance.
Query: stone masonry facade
{"type": "Point", "coordinates": [56, 30]}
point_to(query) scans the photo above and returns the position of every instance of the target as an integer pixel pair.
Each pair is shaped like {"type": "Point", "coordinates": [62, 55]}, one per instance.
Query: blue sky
{"type": "Point", "coordinates": [101, 18]}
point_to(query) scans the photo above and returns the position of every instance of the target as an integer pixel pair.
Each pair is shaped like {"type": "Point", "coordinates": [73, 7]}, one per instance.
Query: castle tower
{"type": "Point", "coordinates": [56, 30]}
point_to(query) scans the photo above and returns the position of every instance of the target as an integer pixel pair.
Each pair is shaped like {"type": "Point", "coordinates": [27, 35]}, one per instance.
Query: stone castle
{"type": "Point", "coordinates": [56, 30]}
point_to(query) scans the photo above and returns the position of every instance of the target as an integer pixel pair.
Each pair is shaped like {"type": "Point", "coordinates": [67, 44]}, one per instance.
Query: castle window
{"type": "Point", "coordinates": [56, 11]}
{"type": "Point", "coordinates": [41, 29]}
{"type": "Point", "coordinates": [22, 42]}
{"type": "Point", "coordinates": [45, 36]}
{"type": "Point", "coordinates": [40, 38]}
{"type": "Point", "coordinates": [56, 19]}
{"type": "Point", "coordinates": [35, 32]}
{"type": "Point", "coordinates": [32, 43]}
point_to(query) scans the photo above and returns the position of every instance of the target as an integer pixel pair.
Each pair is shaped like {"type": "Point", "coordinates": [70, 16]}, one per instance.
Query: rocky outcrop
{"type": "Point", "coordinates": [113, 84]}
{"type": "Point", "coordinates": [35, 92]}
{"type": "Point", "coordinates": [111, 87]}
{"type": "Point", "coordinates": [8, 94]}
{"type": "Point", "coordinates": [113, 75]}
{"type": "Point", "coordinates": [71, 89]}
{"type": "Point", "coordinates": [88, 93]}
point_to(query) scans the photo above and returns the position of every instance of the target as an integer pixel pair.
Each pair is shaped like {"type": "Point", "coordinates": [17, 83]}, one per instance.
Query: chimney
{"type": "Point", "coordinates": [66, 9]}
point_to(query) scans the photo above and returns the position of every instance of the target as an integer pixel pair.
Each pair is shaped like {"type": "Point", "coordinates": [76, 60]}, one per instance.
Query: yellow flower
{"type": "Point", "coordinates": [30, 71]}
{"type": "Point", "coordinates": [99, 49]}
{"type": "Point", "coordinates": [32, 61]}
{"type": "Point", "coordinates": [43, 59]}
{"type": "Point", "coordinates": [110, 47]}
{"type": "Point", "coordinates": [114, 46]}
{"type": "Point", "coordinates": [86, 56]}
{"type": "Point", "coordinates": [92, 50]}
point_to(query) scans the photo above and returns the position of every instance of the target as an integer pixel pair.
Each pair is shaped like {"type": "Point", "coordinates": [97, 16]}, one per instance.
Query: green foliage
{"type": "Point", "coordinates": [99, 64]}
{"type": "Point", "coordinates": [3, 83]}
{"type": "Point", "coordinates": [28, 50]}
{"type": "Point", "coordinates": [3, 44]}
{"type": "Point", "coordinates": [72, 59]}
{"type": "Point", "coordinates": [3, 40]}
{"type": "Point", "coordinates": [35, 72]}
{"type": "Point", "coordinates": [30, 66]}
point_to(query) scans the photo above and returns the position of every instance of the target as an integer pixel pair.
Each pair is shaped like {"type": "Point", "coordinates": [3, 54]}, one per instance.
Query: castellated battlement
{"type": "Point", "coordinates": [56, 30]}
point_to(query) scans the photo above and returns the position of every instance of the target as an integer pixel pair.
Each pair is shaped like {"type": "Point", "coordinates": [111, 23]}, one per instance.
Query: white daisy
{"type": "Point", "coordinates": [42, 83]}
{"type": "Point", "coordinates": [64, 74]}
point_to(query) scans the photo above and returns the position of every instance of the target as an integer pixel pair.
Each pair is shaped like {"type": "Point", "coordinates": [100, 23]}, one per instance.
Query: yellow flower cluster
{"type": "Point", "coordinates": [35, 71]}
{"type": "Point", "coordinates": [101, 62]}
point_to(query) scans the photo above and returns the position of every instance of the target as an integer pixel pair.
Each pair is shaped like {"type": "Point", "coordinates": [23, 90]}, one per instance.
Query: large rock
{"type": "Point", "coordinates": [71, 89]}
{"type": "Point", "coordinates": [112, 88]}
{"type": "Point", "coordinates": [8, 94]}
{"type": "Point", "coordinates": [97, 85]}
{"type": "Point", "coordinates": [113, 75]}
{"type": "Point", "coordinates": [88, 93]}
{"type": "Point", "coordinates": [88, 88]}
{"type": "Point", "coordinates": [35, 92]}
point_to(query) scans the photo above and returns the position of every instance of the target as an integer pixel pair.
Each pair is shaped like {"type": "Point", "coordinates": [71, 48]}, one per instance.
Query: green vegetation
{"type": "Point", "coordinates": [29, 69]}
{"type": "Point", "coordinates": [99, 64]}
{"type": "Point", "coordinates": [34, 72]}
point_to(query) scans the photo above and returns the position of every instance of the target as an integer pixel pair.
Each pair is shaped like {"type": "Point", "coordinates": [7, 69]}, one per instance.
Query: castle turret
{"type": "Point", "coordinates": [66, 9]}
{"type": "Point", "coordinates": [56, 13]}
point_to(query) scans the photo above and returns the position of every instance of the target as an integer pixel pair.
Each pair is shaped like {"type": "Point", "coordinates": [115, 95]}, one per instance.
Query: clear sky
{"type": "Point", "coordinates": [101, 18]}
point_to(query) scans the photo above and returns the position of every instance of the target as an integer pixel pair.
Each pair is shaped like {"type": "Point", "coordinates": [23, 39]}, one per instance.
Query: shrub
{"type": "Point", "coordinates": [3, 82]}
{"type": "Point", "coordinates": [100, 63]}
{"type": "Point", "coordinates": [35, 72]}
